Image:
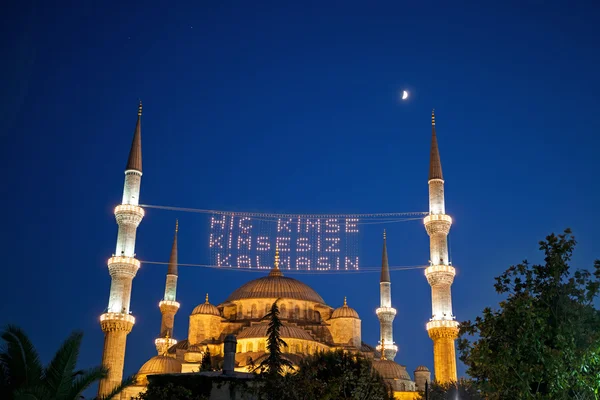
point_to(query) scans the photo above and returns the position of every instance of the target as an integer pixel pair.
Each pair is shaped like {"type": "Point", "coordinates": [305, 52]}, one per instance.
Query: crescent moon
{"type": "Point", "coordinates": [404, 95]}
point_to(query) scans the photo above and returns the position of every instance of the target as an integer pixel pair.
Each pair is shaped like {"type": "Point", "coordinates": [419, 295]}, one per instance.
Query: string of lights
{"type": "Point", "coordinates": [317, 243]}
{"type": "Point", "coordinates": [295, 271]}
{"type": "Point", "coordinates": [270, 216]}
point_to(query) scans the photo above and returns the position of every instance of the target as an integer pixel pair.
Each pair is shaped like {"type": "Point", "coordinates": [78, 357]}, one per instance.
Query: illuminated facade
{"type": "Point", "coordinates": [442, 327]}
{"type": "Point", "coordinates": [309, 324]}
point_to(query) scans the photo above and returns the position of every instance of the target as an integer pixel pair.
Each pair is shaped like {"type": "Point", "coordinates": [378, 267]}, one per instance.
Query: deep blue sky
{"type": "Point", "coordinates": [292, 108]}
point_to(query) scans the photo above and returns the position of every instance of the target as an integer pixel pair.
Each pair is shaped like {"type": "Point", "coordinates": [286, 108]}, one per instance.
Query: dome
{"type": "Point", "coordinates": [390, 370]}
{"type": "Point", "coordinates": [206, 308]}
{"type": "Point", "coordinates": [275, 285]}
{"type": "Point", "coordinates": [160, 365]}
{"type": "Point", "coordinates": [286, 332]}
{"type": "Point", "coordinates": [421, 368]}
{"type": "Point", "coordinates": [344, 312]}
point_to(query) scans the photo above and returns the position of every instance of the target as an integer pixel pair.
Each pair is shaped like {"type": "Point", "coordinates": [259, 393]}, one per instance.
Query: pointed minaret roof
{"type": "Point", "coordinates": [172, 270]}
{"type": "Point", "coordinates": [385, 268]}
{"type": "Point", "coordinates": [135, 154]}
{"type": "Point", "coordinates": [435, 164]}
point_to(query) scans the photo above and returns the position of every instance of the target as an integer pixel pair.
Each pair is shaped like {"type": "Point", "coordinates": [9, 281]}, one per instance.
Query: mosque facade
{"type": "Point", "coordinates": [310, 325]}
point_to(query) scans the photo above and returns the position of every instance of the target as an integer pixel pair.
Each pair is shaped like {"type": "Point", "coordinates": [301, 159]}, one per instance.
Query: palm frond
{"type": "Point", "coordinates": [36, 392]}
{"type": "Point", "coordinates": [58, 375]}
{"type": "Point", "coordinates": [20, 359]}
{"type": "Point", "coordinates": [85, 380]}
{"type": "Point", "coordinates": [126, 383]}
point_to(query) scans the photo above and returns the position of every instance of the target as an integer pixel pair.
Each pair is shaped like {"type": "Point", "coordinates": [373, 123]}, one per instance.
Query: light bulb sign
{"type": "Point", "coordinates": [304, 243]}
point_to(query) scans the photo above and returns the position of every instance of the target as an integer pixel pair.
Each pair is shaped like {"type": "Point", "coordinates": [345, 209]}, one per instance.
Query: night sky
{"type": "Point", "coordinates": [282, 107]}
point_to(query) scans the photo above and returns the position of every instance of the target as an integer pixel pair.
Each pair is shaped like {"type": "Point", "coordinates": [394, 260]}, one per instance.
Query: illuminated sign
{"type": "Point", "coordinates": [304, 243]}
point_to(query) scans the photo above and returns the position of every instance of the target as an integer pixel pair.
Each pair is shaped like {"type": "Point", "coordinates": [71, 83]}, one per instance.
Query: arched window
{"type": "Point", "coordinates": [317, 316]}
{"type": "Point", "coordinates": [283, 311]}
{"type": "Point", "coordinates": [240, 312]}
{"type": "Point", "coordinates": [296, 312]}
{"type": "Point", "coordinates": [238, 348]}
{"type": "Point", "coordinates": [261, 346]}
{"type": "Point", "coordinates": [267, 308]}
{"type": "Point", "coordinates": [249, 347]}
{"type": "Point", "coordinates": [254, 312]}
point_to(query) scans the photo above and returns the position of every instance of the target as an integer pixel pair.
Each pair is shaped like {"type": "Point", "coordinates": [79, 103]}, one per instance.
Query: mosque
{"type": "Point", "coordinates": [309, 324]}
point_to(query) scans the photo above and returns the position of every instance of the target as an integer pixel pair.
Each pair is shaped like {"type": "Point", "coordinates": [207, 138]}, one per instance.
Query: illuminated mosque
{"type": "Point", "coordinates": [309, 324]}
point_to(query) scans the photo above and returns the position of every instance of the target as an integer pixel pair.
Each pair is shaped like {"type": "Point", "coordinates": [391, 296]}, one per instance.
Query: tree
{"type": "Point", "coordinates": [206, 364]}
{"type": "Point", "coordinates": [22, 375]}
{"type": "Point", "coordinates": [463, 389]}
{"type": "Point", "coordinates": [335, 375]}
{"type": "Point", "coordinates": [274, 363]}
{"type": "Point", "coordinates": [544, 340]}
{"type": "Point", "coordinates": [168, 391]}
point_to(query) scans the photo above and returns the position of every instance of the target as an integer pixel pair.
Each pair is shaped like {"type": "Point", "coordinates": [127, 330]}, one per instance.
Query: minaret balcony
{"type": "Point", "coordinates": [116, 322]}
{"type": "Point", "coordinates": [443, 323]}
{"type": "Point", "coordinates": [130, 209]}
{"type": "Point", "coordinates": [128, 213]}
{"type": "Point", "coordinates": [440, 275]}
{"type": "Point", "coordinates": [446, 269]}
{"type": "Point", "coordinates": [389, 350]}
{"type": "Point", "coordinates": [169, 305]}
{"type": "Point", "coordinates": [164, 344]}
{"type": "Point", "coordinates": [113, 316]}
{"type": "Point", "coordinates": [385, 310]}
{"type": "Point", "coordinates": [123, 265]}
{"type": "Point", "coordinates": [387, 347]}
{"type": "Point", "coordinates": [437, 217]}
{"type": "Point", "coordinates": [124, 260]}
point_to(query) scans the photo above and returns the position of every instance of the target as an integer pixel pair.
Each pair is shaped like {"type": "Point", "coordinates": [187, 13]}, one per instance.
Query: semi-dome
{"type": "Point", "coordinates": [206, 308]}
{"type": "Point", "coordinates": [286, 332]}
{"type": "Point", "coordinates": [388, 369]}
{"type": "Point", "coordinates": [160, 365]}
{"type": "Point", "coordinates": [275, 285]}
{"type": "Point", "coordinates": [344, 312]}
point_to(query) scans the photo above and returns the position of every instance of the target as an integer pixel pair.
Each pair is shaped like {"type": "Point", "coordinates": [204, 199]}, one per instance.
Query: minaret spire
{"type": "Point", "coordinates": [442, 327]}
{"type": "Point", "coordinates": [134, 162]}
{"type": "Point", "coordinates": [385, 268]}
{"type": "Point", "coordinates": [385, 312]}
{"type": "Point", "coordinates": [172, 269]}
{"type": "Point", "coordinates": [117, 321]}
{"type": "Point", "coordinates": [169, 305]}
{"type": "Point", "coordinates": [435, 163]}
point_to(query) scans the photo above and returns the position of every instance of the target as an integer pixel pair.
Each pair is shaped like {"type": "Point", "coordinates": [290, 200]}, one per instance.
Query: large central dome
{"type": "Point", "coordinates": [275, 285]}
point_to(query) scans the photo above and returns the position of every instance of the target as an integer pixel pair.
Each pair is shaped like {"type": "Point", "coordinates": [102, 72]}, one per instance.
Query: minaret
{"type": "Point", "coordinates": [442, 328]}
{"type": "Point", "coordinates": [117, 321]}
{"type": "Point", "coordinates": [169, 306]}
{"type": "Point", "coordinates": [385, 312]}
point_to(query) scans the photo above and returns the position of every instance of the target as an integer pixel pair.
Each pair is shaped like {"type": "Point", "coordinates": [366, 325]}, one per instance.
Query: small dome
{"type": "Point", "coordinates": [344, 312]}
{"type": "Point", "coordinates": [160, 365]}
{"type": "Point", "coordinates": [421, 368]}
{"type": "Point", "coordinates": [390, 370]}
{"type": "Point", "coordinates": [206, 308]}
{"type": "Point", "coordinates": [196, 348]}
